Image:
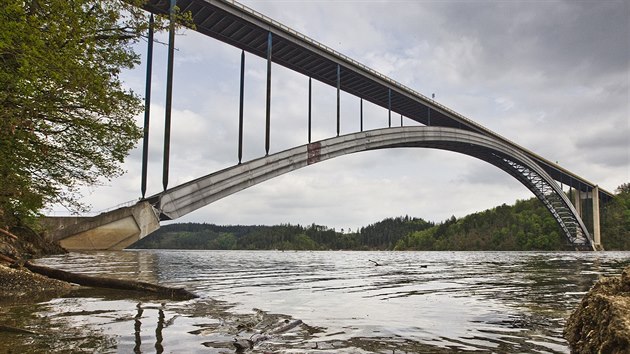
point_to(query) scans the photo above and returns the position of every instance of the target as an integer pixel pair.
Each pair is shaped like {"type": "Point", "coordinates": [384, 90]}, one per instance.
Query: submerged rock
{"type": "Point", "coordinates": [601, 323]}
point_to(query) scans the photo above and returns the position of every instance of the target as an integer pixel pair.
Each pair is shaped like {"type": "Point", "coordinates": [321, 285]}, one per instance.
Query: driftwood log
{"type": "Point", "coordinates": [110, 283]}
{"type": "Point", "coordinates": [7, 233]}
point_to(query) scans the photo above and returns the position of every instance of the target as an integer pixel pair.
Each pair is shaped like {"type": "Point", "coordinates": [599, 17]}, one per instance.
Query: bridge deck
{"type": "Point", "coordinates": [245, 28]}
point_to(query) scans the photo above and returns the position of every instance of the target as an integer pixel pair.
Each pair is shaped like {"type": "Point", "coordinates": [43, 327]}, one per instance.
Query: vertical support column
{"type": "Point", "coordinates": [240, 109]}
{"type": "Point", "coordinates": [597, 237]}
{"type": "Point", "coordinates": [577, 202]}
{"type": "Point", "coordinates": [169, 95]}
{"type": "Point", "coordinates": [389, 106]}
{"type": "Point", "coordinates": [361, 113]}
{"type": "Point", "coordinates": [310, 92]}
{"type": "Point", "coordinates": [147, 109]}
{"type": "Point", "coordinates": [268, 107]}
{"type": "Point", "coordinates": [401, 120]}
{"type": "Point", "coordinates": [338, 99]}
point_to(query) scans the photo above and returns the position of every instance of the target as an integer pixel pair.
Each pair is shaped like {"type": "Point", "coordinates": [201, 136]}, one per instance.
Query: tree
{"type": "Point", "coordinates": [616, 220]}
{"type": "Point", "coordinates": [65, 118]}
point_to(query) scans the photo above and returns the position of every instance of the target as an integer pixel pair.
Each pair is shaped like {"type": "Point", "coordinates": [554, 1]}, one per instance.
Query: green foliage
{"type": "Point", "coordinates": [615, 220]}
{"type": "Point", "coordinates": [527, 225]}
{"type": "Point", "coordinates": [379, 235]}
{"type": "Point", "coordinates": [65, 118]}
{"type": "Point", "coordinates": [384, 235]}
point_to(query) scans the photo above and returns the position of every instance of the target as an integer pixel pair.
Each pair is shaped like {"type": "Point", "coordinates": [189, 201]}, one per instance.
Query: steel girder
{"type": "Point", "coordinates": [554, 200]}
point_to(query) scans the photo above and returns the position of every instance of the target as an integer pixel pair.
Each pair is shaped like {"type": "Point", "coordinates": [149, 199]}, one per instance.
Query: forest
{"type": "Point", "coordinates": [526, 225]}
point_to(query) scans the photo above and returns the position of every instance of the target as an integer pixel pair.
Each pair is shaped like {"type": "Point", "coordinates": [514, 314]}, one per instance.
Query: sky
{"type": "Point", "coordinates": [552, 76]}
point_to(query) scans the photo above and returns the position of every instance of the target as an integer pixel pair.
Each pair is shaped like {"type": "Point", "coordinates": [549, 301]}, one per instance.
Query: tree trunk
{"type": "Point", "coordinates": [101, 282]}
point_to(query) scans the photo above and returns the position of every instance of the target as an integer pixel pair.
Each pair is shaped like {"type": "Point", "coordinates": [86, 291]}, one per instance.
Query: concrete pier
{"type": "Point", "coordinates": [112, 230]}
{"type": "Point", "coordinates": [597, 237]}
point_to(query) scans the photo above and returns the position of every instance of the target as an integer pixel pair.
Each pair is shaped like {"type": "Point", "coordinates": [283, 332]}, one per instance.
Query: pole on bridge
{"type": "Point", "coordinates": [401, 120]}
{"type": "Point", "coordinates": [310, 91]}
{"type": "Point", "coordinates": [268, 107]}
{"type": "Point", "coordinates": [338, 98]}
{"type": "Point", "coordinates": [389, 105]}
{"type": "Point", "coordinates": [147, 109]}
{"type": "Point", "coordinates": [169, 94]}
{"type": "Point", "coordinates": [361, 112]}
{"type": "Point", "coordinates": [240, 109]}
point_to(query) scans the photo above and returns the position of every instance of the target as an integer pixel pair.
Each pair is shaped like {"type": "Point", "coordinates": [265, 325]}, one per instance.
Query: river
{"type": "Point", "coordinates": [316, 302]}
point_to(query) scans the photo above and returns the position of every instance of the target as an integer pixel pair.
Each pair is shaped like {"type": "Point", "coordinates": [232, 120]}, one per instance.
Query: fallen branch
{"type": "Point", "coordinates": [6, 232]}
{"type": "Point", "coordinates": [6, 259]}
{"type": "Point", "coordinates": [11, 329]}
{"type": "Point", "coordinates": [102, 282]}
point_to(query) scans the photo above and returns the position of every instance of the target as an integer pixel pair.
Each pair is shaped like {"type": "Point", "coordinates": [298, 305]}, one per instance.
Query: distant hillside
{"type": "Point", "coordinates": [527, 225]}
{"type": "Point", "coordinates": [382, 235]}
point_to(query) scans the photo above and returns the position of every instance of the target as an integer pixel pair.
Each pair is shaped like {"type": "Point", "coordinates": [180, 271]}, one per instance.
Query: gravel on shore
{"type": "Point", "coordinates": [22, 283]}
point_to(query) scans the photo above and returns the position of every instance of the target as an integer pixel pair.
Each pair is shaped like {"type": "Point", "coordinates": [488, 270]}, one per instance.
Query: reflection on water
{"type": "Point", "coordinates": [420, 302]}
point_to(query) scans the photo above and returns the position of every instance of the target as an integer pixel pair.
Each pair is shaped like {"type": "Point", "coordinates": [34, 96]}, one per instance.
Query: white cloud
{"type": "Point", "coordinates": [551, 76]}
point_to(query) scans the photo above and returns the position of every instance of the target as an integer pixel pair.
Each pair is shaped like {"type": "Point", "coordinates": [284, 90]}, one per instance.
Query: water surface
{"type": "Point", "coordinates": [416, 302]}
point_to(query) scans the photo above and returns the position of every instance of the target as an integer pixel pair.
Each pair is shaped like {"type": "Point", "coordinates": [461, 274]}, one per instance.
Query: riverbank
{"type": "Point", "coordinates": [21, 279]}
{"type": "Point", "coordinates": [20, 283]}
{"type": "Point", "coordinates": [16, 282]}
{"type": "Point", "coordinates": [601, 323]}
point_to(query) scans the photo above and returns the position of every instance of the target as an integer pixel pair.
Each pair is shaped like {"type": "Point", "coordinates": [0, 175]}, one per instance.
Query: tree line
{"type": "Point", "coordinates": [526, 225]}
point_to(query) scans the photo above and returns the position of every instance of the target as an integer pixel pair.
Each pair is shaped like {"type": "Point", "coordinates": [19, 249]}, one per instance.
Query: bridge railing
{"type": "Point", "coordinates": [90, 213]}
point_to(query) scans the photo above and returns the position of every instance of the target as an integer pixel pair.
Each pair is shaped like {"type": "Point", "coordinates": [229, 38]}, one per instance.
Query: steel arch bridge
{"type": "Point", "coordinates": [185, 198]}
{"type": "Point", "coordinates": [254, 33]}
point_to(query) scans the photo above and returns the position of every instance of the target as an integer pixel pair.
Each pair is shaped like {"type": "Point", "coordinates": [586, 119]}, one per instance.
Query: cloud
{"type": "Point", "coordinates": [552, 76]}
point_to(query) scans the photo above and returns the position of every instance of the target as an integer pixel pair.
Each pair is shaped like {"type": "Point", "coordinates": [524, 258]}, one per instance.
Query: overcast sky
{"type": "Point", "coordinates": [553, 76]}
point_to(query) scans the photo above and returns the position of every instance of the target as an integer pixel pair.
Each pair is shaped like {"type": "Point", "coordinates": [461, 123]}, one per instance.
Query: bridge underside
{"type": "Point", "coordinates": [178, 201]}
{"type": "Point", "coordinates": [245, 28]}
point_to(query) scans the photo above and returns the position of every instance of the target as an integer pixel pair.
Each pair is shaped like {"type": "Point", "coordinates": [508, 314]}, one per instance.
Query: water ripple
{"type": "Point", "coordinates": [413, 301]}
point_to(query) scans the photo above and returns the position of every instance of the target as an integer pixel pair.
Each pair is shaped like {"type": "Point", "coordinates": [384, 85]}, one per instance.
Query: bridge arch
{"type": "Point", "coordinates": [185, 198]}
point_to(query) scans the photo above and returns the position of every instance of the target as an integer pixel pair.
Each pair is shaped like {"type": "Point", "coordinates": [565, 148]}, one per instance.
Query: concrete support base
{"type": "Point", "coordinates": [113, 230]}
{"type": "Point", "coordinates": [597, 237]}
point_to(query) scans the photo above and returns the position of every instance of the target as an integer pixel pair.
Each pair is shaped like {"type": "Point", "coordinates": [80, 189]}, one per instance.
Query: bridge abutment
{"type": "Point", "coordinates": [112, 230]}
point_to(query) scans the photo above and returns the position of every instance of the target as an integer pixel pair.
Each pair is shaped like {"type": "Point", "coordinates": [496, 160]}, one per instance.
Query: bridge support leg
{"type": "Point", "coordinates": [338, 99]}
{"type": "Point", "coordinates": [389, 106]}
{"type": "Point", "coordinates": [577, 201]}
{"type": "Point", "coordinates": [268, 102]}
{"type": "Point", "coordinates": [596, 230]}
{"type": "Point", "coordinates": [310, 92]}
{"type": "Point", "coordinates": [147, 110]}
{"type": "Point", "coordinates": [169, 95]}
{"type": "Point", "coordinates": [240, 109]}
{"type": "Point", "coordinates": [361, 113]}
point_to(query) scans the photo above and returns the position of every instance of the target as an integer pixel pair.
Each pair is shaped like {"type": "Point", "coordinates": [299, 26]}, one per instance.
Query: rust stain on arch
{"type": "Point", "coordinates": [314, 153]}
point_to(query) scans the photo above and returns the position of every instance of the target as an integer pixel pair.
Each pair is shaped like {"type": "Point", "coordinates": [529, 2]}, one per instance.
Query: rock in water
{"type": "Point", "coordinates": [601, 323]}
